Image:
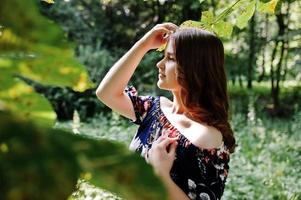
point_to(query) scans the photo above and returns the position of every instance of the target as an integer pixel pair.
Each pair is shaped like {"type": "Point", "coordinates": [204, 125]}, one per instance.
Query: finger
{"type": "Point", "coordinates": [167, 141]}
{"type": "Point", "coordinates": [163, 34]}
{"type": "Point", "coordinates": [172, 149]}
{"type": "Point", "coordinates": [160, 138]}
{"type": "Point", "coordinates": [163, 30]}
{"type": "Point", "coordinates": [170, 26]}
{"type": "Point", "coordinates": [165, 133]}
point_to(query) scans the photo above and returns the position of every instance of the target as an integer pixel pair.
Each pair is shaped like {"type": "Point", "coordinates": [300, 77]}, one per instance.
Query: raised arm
{"type": "Point", "coordinates": [111, 89]}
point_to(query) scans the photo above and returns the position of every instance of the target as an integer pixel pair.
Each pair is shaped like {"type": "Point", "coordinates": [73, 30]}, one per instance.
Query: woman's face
{"type": "Point", "coordinates": [168, 69]}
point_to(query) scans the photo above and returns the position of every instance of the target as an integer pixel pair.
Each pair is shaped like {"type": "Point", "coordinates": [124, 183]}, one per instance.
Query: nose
{"type": "Point", "coordinates": [160, 64]}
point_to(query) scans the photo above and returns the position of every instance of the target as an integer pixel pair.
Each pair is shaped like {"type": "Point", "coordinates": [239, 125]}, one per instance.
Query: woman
{"type": "Point", "coordinates": [188, 141]}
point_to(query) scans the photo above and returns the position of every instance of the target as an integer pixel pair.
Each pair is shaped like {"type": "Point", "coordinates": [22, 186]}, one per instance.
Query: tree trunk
{"type": "Point", "coordinates": [262, 75]}
{"type": "Point", "coordinates": [273, 91]}
{"type": "Point", "coordinates": [251, 52]}
{"type": "Point", "coordinates": [276, 78]}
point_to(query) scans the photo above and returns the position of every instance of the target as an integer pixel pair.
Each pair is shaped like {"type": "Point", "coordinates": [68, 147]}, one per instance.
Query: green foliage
{"type": "Point", "coordinates": [32, 28]}
{"type": "Point", "coordinates": [96, 59]}
{"type": "Point", "coordinates": [104, 30]}
{"type": "Point", "coordinates": [245, 10]}
{"type": "Point", "coordinates": [36, 48]}
{"type": "Point", "coordinates": [45, 163]}
{"type": "Point", "coordinates": [35, 164]}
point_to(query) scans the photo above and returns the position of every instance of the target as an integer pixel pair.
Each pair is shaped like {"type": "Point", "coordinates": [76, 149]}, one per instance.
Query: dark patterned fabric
{"type": "Point", "coordinates": [200, 173]}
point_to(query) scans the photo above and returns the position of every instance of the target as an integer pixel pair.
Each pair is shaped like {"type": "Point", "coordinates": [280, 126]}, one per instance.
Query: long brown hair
{"type": "Point", "coordinates": [201, 74]}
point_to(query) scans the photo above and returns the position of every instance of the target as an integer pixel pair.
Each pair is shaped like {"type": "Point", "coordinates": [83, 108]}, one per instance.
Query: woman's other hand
{"type": "Point", "coordinates": [158, 35]}
{"type": "Point", "coordinates": [162, 155]}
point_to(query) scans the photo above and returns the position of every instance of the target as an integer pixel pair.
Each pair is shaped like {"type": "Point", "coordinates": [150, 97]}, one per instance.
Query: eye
{"type": "Point", "coordinates": [170, 58]}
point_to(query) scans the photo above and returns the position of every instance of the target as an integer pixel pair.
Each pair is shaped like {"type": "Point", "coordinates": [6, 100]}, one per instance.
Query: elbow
{"type": "Point", "coordinates": [105, 95]}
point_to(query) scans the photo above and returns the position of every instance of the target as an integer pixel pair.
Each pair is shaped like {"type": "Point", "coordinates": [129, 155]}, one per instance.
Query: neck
{"type": "Point", "coordinates": [178, 106]}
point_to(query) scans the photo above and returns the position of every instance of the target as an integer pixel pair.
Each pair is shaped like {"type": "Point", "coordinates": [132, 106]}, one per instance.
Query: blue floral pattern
{"type": "Point", "coordinates": [201, 173]}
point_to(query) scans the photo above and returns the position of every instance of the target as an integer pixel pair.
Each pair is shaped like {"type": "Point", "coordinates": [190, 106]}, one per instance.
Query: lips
{"type": "Point", "coordinates": [161, 74]}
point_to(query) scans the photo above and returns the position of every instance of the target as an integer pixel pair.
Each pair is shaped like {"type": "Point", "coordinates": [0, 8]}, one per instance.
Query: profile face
{"type": "Point", "coordinates": [168, 69]}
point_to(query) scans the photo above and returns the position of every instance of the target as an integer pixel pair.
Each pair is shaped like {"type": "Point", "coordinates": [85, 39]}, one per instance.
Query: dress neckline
{"type": "Point", "coordinates": [181, 134]}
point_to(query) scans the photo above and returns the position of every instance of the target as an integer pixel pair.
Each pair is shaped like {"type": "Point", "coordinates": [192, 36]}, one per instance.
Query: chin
{"type": "Point", "coordinates": [159, 85]}
{"type": "Point", "coordinates": [162, 86]}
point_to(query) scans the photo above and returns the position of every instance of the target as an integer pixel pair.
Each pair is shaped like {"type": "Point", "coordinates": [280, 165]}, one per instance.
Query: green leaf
{"type": "Point", "coordinates": [191, 23]}
{"type": "Point", "coordinates": [268, 7]}
{"type": "Point", "coordinates": [162, 47]}
{"type": "Point", "coordinates": [44, 163]}
{"type": "Point", "coordinates": [245, 14]}
{"type": "Point", "coordinates": [207, 17]}
{"type": "Point", "coordinates": [223, 29]}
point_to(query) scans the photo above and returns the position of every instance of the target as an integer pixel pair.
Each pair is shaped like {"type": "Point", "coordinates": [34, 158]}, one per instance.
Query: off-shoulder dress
{"type": "Point", "coordinates": [201, 173]}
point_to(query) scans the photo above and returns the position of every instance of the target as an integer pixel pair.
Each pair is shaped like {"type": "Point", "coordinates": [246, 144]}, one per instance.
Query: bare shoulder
{"type": "Point", "coordinates": [165, 102]}
{"type": "Point", "coordinates": [199, 134]}
{"type": "Point", "coordinates": [207, 137]}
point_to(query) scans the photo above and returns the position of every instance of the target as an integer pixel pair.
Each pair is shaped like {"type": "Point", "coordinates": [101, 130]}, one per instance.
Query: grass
{"type": "Point", "coordinates": [266, 164]}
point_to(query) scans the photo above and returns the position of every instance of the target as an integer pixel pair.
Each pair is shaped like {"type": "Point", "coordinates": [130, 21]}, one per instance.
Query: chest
{"type": "Point", "coordinates": [190, 129]}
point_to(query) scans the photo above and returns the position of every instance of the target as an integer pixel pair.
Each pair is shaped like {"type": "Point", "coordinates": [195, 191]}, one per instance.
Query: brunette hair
{"type": "Point", "coordinates": [201, 74]}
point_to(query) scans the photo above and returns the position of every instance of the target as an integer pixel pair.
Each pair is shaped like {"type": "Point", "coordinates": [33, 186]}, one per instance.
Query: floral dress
{"type": "Point", "coordinates": [201, 173]}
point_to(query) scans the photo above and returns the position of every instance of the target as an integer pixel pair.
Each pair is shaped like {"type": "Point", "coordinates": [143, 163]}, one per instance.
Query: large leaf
{"type": "Point", "coordinates": [44, 163]}
{"type": "Point", "coordinates": [223, 29]}
{"type": "Point", "coordinates": [34, 47]}
{"type": "Point", "coordinates": [245, 14]}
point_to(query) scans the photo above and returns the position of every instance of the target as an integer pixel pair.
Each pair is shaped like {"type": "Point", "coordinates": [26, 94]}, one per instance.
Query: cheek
{"type": "Point", "coordinates": [172, 71]}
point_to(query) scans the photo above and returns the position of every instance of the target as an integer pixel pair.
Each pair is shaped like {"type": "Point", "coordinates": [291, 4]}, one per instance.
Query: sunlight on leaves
{"type": "Point", "coordinates": [65, 70]}
{"type": "Point", "coordinates": [3, 148]}
{"type": "Point", "coordinates": [10, 41]}
{"type": "Point", "coordinates": [5, 63]}
{"type": "Point", "coordinates": [83, 82]}
{"type": "Point", "coordinates": [268, 7]}
{"type": "Point", "coordinates": [18, 90]}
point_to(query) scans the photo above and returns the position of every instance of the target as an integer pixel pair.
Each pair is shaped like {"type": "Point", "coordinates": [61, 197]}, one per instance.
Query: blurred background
{"type": "Point", "coordinates": [54, 53]}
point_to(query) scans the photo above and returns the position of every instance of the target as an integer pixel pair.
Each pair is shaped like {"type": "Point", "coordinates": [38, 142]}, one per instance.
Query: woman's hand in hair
{"type": "Point", "coordinates": [162, 155]}
{"type": "Point", "coordinates": [158, 35]}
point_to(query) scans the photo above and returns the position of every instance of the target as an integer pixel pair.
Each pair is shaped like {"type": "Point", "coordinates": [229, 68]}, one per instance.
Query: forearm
{"type": "Point", "coordinates": [174, 191]}
{"type": "Point", "coordinates": [119, 75]}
